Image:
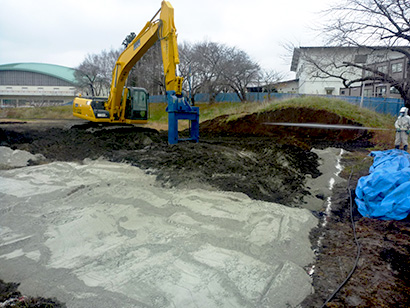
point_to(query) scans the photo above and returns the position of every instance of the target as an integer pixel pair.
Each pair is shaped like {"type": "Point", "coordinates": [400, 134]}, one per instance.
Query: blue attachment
{"type": "Point", "coordinates": [385, 193]}
{"type": "Point", "coordinates": [178, 108]}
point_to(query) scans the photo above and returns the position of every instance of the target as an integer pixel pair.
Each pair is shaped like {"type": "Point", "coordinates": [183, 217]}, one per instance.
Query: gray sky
{"type": "Point", "coordinates": [63, 32]}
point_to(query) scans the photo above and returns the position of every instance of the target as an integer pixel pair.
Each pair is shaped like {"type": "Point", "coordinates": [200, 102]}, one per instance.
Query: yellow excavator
{"type": "Point", "coordinates": [129, 105]}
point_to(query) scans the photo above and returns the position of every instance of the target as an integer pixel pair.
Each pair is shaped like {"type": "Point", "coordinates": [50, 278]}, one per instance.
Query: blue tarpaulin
{"type": "Point", "coordinates": [385, 193]}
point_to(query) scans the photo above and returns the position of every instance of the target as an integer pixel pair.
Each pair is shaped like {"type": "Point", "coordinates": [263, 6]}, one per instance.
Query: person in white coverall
{"type": "Point", "coordinates": [402, 125]}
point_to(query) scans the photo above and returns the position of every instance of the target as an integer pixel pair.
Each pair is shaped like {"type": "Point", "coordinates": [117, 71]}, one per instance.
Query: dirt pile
{"type": "Point", "coordinates": [78, 141]}
{"type": "Point", "coordinates": [257, 167]}
{"type": "Point", "coordinates": [255, 125]}
{"type": "Point", "coordinates": [11, 297]}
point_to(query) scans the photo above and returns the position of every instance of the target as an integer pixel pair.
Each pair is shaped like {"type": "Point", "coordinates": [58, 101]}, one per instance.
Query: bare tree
{"type": "Point", "coordinates": [93, 75]}
{"type": "Point", "coordinates": [239, 71]}
{"type": "Point", "coordinates": [148, 72]}
{"type": "Point", "coordinates": [268, 78]}
{"type": "Point", "coordinates": [188, 69]}
{"type": "Point", "coordinates": [86, 75]}
{"type": "Point", "coordinates": [209, 67]}
{"type": "Point", "coordinates": [202, 64]}
{"type": "Point", "coordinates": [381, 28]}
{"type": "Point", "coordinates": [324, 63]}
{"type": "Point", "coordinates": [213, 68]}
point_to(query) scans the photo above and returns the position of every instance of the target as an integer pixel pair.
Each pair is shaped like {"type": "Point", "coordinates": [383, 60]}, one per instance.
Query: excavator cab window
{"type": "Point", "coordinates": [137, 104]}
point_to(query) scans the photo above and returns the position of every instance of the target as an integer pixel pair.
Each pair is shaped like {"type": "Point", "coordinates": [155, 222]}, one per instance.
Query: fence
{"type": "Point", "coordinates": [378, 104]}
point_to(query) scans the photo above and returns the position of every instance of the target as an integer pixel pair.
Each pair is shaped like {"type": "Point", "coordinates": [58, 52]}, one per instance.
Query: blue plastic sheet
{"type": "Point", "coordinates": [385, 193]}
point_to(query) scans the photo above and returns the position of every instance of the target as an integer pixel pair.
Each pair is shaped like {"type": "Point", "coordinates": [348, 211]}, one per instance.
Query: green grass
{"type": "Point", "coordinates": [157, 113]}
{"type": "Point", "coordinates": [211, 111]}
{"type": "Point", "coordinates": [52, 112]}
{"type": "Point", "coordinates": [361, 115]}
{"type": "Point", "coordinates": [207, 111]}
{"type": "Point", "coordinates": [234, 111]}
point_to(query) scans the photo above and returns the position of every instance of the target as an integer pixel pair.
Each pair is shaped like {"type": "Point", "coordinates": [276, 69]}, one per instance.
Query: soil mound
{"type": "Point", "coordinates": [10, 296]}
{"type": "Point", "coordinates": [78, 142]}
{"type": "Point", "coordinates": [255, 125]}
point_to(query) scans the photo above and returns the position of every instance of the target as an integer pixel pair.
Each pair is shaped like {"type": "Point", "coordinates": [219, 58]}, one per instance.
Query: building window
{"type": "Point", "coordinates": [329, 90]}
{"type": "Point", "coordinates": [380, 91]}
{"type": "Point", "coordinates": [397, 67]}
{"type": "Point", "coordinates": [393, 90]}
{"type": "Point", "coordinates": [368, 92]}
{"type": "Point", "coordinates": [382, 69]}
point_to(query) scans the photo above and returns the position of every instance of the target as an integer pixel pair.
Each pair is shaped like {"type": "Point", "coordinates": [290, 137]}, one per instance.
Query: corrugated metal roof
{"type": "Point", "coordinates": [58, 71]}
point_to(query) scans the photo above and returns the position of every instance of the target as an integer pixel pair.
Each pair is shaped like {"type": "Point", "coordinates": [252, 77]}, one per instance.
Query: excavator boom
{"type": "Point", "coordinates": [121, 103]}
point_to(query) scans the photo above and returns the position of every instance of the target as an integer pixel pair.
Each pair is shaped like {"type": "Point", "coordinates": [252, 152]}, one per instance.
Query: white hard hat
{"type": "Point", "coordinates": [403, 109]}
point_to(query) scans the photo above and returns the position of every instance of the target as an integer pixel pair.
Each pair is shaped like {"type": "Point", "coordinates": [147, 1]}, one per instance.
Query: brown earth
{"type": "Point", "coordinates": [11, 297]}
{"type": "Point", "coordinates": [306, 138]}
{"type": "Point", "coordinates": [267, 163]}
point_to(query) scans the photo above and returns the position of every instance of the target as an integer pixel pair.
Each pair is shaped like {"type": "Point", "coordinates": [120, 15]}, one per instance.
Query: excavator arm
{"type": "Point", "coordinates": [178, 107]}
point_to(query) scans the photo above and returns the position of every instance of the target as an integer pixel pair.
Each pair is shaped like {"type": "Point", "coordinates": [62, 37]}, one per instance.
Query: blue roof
{"type": "Point", "coordinates": [58, 71]}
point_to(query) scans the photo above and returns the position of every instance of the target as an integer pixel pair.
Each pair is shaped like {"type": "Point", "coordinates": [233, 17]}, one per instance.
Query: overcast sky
{"type": "Point", "coordinates": [63, 32]}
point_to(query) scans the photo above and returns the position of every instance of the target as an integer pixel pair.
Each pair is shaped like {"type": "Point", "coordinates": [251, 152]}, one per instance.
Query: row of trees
{"type": "Point", "coordinates": [208, 67]}
{"type": "Point", "coordinates": [215, 68]}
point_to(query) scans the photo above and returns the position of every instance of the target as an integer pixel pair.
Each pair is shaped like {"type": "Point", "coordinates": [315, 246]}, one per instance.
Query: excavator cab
{"type": "Point", "coordinates": [136, 106]}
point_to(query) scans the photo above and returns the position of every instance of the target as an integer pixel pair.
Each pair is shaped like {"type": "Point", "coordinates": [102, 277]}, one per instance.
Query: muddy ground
{"type": "Point", "coordinates": [267, 163]}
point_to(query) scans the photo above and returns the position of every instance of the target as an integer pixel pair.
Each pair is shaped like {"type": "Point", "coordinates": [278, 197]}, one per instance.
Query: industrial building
{"type": "Point", "coordinates": [36, 84]}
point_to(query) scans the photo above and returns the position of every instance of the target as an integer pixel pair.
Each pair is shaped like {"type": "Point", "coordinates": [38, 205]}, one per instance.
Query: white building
{"type": "Point", "coordinates": [317, 67]}
{"type": "Point", "coordinates": [287, 86]}
{"type": "Point", "coordinates": [36, 84]}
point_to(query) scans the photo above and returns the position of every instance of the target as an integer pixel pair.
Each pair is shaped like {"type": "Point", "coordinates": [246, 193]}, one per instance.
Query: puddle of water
{"type": "Point", "coordinates": [328, 209]}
